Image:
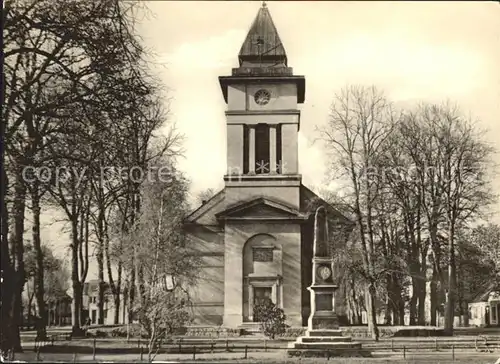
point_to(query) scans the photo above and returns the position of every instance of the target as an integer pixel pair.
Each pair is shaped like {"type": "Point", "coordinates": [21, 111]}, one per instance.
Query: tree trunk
{"type": "Point", "coordinates": [389, 305]}
{"type": "Point", "coordinates": [422, 291]}
{"type": "Point", "coordinates": [371, 312]}
{"type": "Point", "coordinates": [116, 318]}
{"type": "Point", "coordinates": [450, 293]}
{"type": "Point", "coordinates": [39, 271]}
{"type": "Point", "coordinates": [75, 280]}
{"type": "Point", "coordinates": [19, 207]}
{"type": "Point", "coordinates": [396, 299]}
{"type": "Point", "coordinates": [30, 303]}
{"type": "Point", "coordinates": [118, 294]}
{"type": "Point", "coordinates": [401, 307]}
{"type": "Point", "coordinates": [100, 262]}
{"type": "Point", "coordinates": [9, 329]}
{"type": "Point", "coordinates": [413, 300]}
{"type": "Point", "coordinates": [59, 312]}
{"type": "Point", "coordinates": [422, 274]}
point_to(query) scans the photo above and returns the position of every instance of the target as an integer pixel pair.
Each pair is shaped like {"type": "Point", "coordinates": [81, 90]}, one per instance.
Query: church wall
{"type": "Point", "coordinates": [234, 241]}
{"type": "Point", "coordinates": [292, 280]}
{"type": "Point", "coordinates": [288, 195]}
{"type": "Point", "coordinates": [283, 97]}
{"type": "Point", "coordinates": [253, 119]}
{"type": "Point", "coordinates": [234, 149]}
{"type": "Point", "coordinates": [241, 97]}
{"type": "Point", "coordinates": [262, 268]}
{"type": "Point", "coordinates": [307, 232]}
{"type": "Point", "coordinates": [236, 97]}
{"type": "Point", "coordinates": [288, 236]}
{"type": "Point", "coordinates": [290, 148]}
{"type": "Point", "coordinates": [207, 295]}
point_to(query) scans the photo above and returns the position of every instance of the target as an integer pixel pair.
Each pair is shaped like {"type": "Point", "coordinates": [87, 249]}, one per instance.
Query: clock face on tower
{"type": "Point", "coordinates": [262, 97]}
{"type": "Point", "coordinates": [324, 272]}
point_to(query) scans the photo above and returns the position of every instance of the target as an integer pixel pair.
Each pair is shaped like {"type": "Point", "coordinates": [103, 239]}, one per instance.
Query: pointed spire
{"type": "Point", "coordinates": [262, 45]}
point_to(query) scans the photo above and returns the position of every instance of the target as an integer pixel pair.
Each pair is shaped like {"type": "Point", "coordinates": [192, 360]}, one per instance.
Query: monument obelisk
{"type": "Point", "coordinates": [323, 288]}
{"type": "Point", "coordinates": [323, 336]}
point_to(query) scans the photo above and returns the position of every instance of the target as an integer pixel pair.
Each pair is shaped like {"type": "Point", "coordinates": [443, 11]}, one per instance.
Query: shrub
{"type": "Point", "coordinates": [271, 317]}
{"type": "Point", "coordinates": [416, 332]}
{"type": "Point", "coordinates": [134, 330]}
{"type": "Point", "coordinates": [294, 332]}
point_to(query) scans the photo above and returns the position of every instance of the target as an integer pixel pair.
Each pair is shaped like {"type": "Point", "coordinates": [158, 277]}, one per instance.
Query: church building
{"type": "Point", "coordinates": [255, 236]}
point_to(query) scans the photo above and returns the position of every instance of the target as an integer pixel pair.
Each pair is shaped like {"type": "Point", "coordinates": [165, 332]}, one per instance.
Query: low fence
{"type": "Point", "coordinates": [447, 349]}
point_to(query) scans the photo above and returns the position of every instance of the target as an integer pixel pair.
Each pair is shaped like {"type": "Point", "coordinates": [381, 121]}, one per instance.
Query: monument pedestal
{"type": "Point", "coordinates": [326, 343]}
{"type": "Point", "coordinates": [323, 337]}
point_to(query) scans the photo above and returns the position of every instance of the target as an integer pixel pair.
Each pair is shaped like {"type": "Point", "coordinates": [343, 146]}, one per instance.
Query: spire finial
{"type": "Point", "coordinates": [264, 5]}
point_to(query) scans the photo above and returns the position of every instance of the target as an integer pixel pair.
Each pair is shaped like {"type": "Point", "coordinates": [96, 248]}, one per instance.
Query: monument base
{"type": "Point", "coordinates": [323, 320]}
{"type": "Point", "coordinates": [323, 343]}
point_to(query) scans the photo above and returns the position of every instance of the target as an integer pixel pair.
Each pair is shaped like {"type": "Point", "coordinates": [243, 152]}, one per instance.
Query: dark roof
{"type": "Point", "coordinates": [262, 58]}
{"type": "Point", "coordinates": [92, 286]}
{"type": "Point", "coordinates": [212, 201]}
{"type": "Point", "coordinates": [309, 201]}
{"type": "Point", "coordinates": [262, 41]}
{"type": "Point", "coordinates": [485, 292]}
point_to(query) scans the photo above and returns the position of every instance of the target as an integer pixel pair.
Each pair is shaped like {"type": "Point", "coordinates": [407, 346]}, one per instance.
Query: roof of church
{"type": "Point", "coordinates": [262, 40]}
{"type": "Point", "coordinates": [244, 206]}
{"type": "Point", "coordinates": [309, 202]}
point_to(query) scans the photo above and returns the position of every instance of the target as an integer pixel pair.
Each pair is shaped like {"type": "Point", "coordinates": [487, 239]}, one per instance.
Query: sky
{"type": "Point", "coordinates": [429, 51]}
{"type": "Point", "coordinates": [414, 51]}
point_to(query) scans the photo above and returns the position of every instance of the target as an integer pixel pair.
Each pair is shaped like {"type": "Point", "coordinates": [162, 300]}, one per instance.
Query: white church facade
{"type": "Point", "coordinates": [255, 236]}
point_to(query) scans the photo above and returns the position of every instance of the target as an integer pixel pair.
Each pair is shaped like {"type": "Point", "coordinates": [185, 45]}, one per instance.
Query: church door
{"type": "Point", "coordinates": [260, 296]}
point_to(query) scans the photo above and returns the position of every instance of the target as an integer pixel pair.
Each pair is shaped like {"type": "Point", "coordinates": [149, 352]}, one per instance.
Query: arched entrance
{"type": "Point", "coordinates": [262, 271]}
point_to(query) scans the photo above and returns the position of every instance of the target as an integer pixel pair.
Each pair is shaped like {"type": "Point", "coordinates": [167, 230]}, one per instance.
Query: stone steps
{"type": "Point", "coordinates": [251, 327]}
{"type": "Point", "coordinates": [323, 333]}
{"type": "Point", "coordinates": [326, 345]}
{"type": "Point", "coordinates": [319, 339]}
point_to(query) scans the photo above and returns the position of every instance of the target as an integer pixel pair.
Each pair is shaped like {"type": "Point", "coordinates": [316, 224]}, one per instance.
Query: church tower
{"type": "Point", "coordinates": [262, 117]}
{"type": "Point", "coordinates": [263, 120]}
{"type": "Point", "coordinates": [254, 237]}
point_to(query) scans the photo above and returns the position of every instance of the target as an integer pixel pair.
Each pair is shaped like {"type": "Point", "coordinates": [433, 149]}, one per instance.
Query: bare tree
{"type": "Point", "coordinates": [451, 169]}
{"type": "Point", "coordinates": [360, 123]}
{"type": "Point", "coordinates": [205, 195]}
{"type": "Point", "coordinates": [157, 244]}
{"type": "Point", "coordinates": [58, 64]}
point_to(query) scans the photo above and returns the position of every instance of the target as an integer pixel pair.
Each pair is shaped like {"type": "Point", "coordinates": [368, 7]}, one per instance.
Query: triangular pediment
{"type": "Point", "coordinates": [260, 209]}
{"type": "Point", "coordinates": [263, 210]}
